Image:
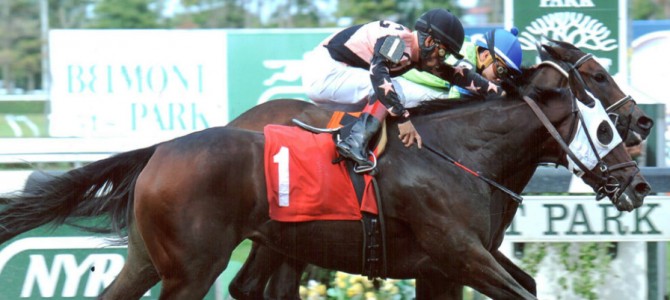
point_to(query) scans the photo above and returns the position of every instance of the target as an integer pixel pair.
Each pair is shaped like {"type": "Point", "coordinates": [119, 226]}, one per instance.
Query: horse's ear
{"type": "Point", "coordinates": [549, 51]}
{"type": "Point", "coordinates": [543, 54]}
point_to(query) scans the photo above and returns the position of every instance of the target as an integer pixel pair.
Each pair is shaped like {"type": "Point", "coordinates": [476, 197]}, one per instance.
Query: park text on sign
{"type": "Point", "coordinates": [139, 82]}
{"type": "Point", "coordinates": [581, 218]}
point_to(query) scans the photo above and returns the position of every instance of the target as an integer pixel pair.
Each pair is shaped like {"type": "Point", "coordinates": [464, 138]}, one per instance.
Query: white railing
{"type": "Point", "coordinates": [74, 150]}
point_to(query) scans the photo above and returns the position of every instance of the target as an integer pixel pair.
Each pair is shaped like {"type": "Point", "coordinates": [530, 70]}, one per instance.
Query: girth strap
{"type": "Point", "coordinates": [374, 263]}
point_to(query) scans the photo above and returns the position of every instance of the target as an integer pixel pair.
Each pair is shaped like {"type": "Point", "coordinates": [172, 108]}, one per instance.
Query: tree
{"type": "Point", "coordinates": [296, 14]}
{"type": "Point", "coordinates": [127, 14]}
{"type": "Point", "coordinates": [645, 10]}
{"type": "Point", "coordinates": [402, 11]}
{"type": "Point", "coordinates": [69, 13]}
{"type": "Point", "coordinates": [20, 43]}
{"type": "Point", "coordinates": [216, 14]}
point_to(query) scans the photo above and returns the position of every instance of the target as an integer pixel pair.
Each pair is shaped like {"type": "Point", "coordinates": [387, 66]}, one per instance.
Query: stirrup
{"type": "Point", "coordinates": [364, 169]}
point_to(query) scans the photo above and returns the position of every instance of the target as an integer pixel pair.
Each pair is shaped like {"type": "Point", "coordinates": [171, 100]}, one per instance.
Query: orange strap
{"type": "Point", "coordinates": [377, 110]}
{"type": "Point", "coordinates": [335, 120]}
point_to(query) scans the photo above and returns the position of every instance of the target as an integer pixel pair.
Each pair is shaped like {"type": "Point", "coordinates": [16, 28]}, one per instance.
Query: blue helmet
{"type": "Point", "coordinates": [506, 45]}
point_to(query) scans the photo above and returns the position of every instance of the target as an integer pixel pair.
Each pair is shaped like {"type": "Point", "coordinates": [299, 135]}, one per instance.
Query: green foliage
{"type": "Point", "coordinates": [132, 14]}
{"type": "Point", "coordinates": [356, 287]}
{"type": "Point", "coordinates": [20, 44]}
{"type": "Point", "coordinates": [586, 265]}
{"type": "Point", "coordinates": [69, 13]}
{"type": "Point", "coordinates": [402, 11]}
{"type": "Point", "coordinates": [215, 14]}
{"type": "Point", "coordinates": [534, 254]}
{"type": "Point", "coordinates": [646, 10]}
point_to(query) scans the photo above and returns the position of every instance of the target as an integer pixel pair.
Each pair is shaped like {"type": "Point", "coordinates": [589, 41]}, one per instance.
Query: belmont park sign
{"type": "Point", "coordinates": [580, 218]}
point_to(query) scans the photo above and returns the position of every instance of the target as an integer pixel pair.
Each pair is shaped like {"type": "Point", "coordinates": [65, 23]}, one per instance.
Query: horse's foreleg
{"type": "Point", "coordinates": [467, 262]}
{"type": "Point", "coordinates": [285, 282]}
{"type": "Point", "coordinates": [138, 274]}
{"type": "Point", "coordinates": [261, 264]}
{"type": "Point", "coordinates": [527, 281]}
{"type": "Point", "coordinates": [432, 284]}
{"type": "Point", "coordinates": [487, 276]}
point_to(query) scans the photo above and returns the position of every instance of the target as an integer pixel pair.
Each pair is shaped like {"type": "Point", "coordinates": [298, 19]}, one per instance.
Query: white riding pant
{"type": "Point", "coordinates": [334, 85]}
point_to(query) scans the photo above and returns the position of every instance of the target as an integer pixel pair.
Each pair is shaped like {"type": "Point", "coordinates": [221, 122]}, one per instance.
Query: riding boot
{"type": "Point", "coordinates": [355, 146]}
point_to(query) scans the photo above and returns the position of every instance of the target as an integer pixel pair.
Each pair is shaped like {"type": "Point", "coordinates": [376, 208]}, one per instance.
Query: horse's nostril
{"type": "Point", "coordinates": [643, 188]}
{"type": "Point", "coordinates": [645, 123]}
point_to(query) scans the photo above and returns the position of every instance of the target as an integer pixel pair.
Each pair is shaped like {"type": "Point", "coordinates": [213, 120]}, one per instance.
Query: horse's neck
{"type": "Point", "coordinates": [496, 138]}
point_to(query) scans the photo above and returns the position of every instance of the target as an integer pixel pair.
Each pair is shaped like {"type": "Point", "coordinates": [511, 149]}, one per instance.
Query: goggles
{"type": "Point", "coordinates": [500, 68]}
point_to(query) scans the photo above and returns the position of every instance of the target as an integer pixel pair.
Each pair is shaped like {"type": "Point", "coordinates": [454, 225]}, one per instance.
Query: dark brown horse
{"type": "Point", "coordinates": [187, 203]}
{"type": "Point", "coordinates": [264, 264]}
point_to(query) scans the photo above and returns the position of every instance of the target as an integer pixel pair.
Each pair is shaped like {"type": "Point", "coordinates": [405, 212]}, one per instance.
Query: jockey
{"type": "Point", "coordinates": [508, 55]}
{"type": "Point", "coordinates": [362, 60]}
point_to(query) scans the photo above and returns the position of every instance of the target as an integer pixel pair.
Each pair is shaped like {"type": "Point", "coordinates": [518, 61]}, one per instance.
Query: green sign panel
{"type": "Point", "coordinates": [71, 264]}
{"type": "Point", "coordinates": [266, 65]}
{"type": "Point", "coordinates": [591, 25]}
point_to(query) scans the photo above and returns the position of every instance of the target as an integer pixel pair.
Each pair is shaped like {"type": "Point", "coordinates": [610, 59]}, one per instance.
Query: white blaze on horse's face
{"type": "Point", "coordinates": [600, 129]}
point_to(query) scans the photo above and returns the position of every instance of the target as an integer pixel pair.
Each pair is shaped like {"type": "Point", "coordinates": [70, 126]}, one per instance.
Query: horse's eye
{"type": "Point", "coordinates": [600, 77]}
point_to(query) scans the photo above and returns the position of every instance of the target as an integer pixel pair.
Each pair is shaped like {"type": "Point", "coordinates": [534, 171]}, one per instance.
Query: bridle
{"type": "Point", "coordinates": [622, 123]}
{"type": "Point", "coordinates": [606, 184]}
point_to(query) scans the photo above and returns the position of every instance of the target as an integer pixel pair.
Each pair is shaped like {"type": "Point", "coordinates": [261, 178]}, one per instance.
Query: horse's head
{"type": "Point", "coordinates": [590, 81]}
{"type": "Point", "coordinates": [584, 140]}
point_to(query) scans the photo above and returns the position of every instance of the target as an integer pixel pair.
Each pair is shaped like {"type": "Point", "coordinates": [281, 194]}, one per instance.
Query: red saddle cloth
{"type": "Point", "coordinates": [302, 182]}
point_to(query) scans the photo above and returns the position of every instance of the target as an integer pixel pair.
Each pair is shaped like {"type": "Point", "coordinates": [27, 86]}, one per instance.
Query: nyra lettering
{"type": "Point", "coordinates": [136, 79]}
{"type": "Point", "coordinates": [67, 277]}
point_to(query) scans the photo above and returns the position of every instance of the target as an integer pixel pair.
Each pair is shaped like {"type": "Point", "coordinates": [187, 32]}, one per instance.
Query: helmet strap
{"type": "Point", "coordinates": [424, 51]}
{"type": "Point", "coordinates": [481, 65]}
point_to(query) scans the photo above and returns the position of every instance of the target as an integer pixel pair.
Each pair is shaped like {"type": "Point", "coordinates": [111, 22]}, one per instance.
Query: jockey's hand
{"type": "Point", "coordinates": [408, 134]}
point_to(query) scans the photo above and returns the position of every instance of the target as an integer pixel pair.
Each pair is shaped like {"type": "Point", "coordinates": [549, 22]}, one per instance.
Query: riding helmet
{"type": "Point", "coordinates": [443, 26]}
{"type": "Point", "coordinates": [506, 45]}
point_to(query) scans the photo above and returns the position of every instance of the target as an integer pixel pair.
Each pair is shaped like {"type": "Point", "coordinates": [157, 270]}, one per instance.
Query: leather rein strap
{"type": "Point", "coordinates": [607, 185]}
{"type": "Point", "coordinates": [554, 133]}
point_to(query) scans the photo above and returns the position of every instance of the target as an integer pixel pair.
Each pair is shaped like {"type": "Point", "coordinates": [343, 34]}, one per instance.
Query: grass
{"type": "Point", "coordinates": [23, 119]}
{"type": "Point", "coordinates": [23, 125]}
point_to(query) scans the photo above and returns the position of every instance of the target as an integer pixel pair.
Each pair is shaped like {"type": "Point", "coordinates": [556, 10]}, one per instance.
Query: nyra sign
{"type": "Point", "coordinates": [581, 218]}
{"type": "Point", "coordinates": [59, 267]}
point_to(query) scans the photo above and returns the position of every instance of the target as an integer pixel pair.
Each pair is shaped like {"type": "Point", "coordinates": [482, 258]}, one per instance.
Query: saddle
{"type": "Point", "coordinates": [340, 126]}
{"type": "Point", "coordinates": [337, 181]}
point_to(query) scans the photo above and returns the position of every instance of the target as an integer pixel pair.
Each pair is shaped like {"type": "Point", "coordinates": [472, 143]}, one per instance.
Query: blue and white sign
{"type": "Point", "coordinates": [137, 82]}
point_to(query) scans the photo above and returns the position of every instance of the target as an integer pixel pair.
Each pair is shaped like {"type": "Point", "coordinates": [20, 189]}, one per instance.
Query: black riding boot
{"type": "Point", "coordinates": [355, 146]}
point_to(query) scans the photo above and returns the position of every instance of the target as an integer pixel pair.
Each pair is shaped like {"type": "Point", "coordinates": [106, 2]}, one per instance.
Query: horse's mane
{"type": "Point", "coordinates": [514, 87]}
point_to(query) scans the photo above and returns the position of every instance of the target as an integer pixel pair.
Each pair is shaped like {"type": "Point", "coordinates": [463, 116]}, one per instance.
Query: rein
{"type": "Point", "coordinates": [607, 184]}
{"type": "Point", "coordinates": [574, 70]}
{"type": "Point", "coordinates": [516, 197]}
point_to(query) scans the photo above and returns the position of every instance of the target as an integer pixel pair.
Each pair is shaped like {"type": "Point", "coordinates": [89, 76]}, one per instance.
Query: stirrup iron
{"type": "Point", "coordinates": [364, 169]}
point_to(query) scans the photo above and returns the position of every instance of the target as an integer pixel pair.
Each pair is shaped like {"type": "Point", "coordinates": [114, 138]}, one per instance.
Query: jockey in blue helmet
{"type": "Point", "coordinates": [507, 51]}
